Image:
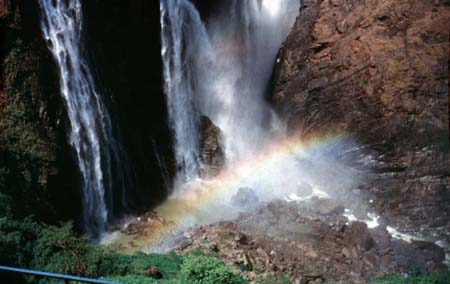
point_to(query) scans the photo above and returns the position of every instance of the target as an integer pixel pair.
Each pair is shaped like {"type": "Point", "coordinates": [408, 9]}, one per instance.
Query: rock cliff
{"type": "Point", "coordinates": [377, 70]}
{"type": "Point", "coordinates": [37, 175]}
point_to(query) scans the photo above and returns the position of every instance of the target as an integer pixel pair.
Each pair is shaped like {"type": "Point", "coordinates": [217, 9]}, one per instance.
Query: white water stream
{"type": "Point", "coordinates": [96, 149]}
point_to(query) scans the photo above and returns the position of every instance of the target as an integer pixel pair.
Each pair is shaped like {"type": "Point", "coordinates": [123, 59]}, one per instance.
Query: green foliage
{"type": "Point", "coordinates": [447, 2]}
{"type": "Point", "coordinates": [443, 278]}
{"type": "Point", "coordinates": [169, 265]}
{"type": "Point", "coordinates": [17, 241]}
{"type": "Point", "coordinates": [59, 250]}
{"type": "Point", "coordinates": [28, 244]}
{"type": "Point", "coordinates": [139, 279]}
{"type": "Point", "coordinates": [208, 270]}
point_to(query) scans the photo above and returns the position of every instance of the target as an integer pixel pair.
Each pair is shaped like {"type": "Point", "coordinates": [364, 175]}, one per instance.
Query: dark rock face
{"type": "Point", "coordinates": [37, 173]}
{"type": "Point", "coordinates": [211, 152]}
{"type": "Point", "coordinates": [378, 71]}
{"type": "Point", "coordinates": [123, 38]}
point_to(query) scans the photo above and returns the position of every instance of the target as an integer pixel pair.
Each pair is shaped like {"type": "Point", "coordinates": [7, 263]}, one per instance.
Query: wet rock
{"type": "Point", "coordinates": [430, 251]}
{"type": "Point", "coordinates": [211, 152]}
{"type": "Point", "coordinates": [407, 256]}
{"type": "Point", "coordinates": [351, 67]}
{"type": "Point", "coordinates": [359, 236]}
{"type": "Point", "coordinates": [328, 207]}
{"type": "Point", "coordinates": [245, 197]}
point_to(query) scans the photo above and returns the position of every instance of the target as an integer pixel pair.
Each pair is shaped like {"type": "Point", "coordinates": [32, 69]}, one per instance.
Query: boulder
{"type": "Point", "coordinates": [211, 152]}
{"type": "Point", "coordinates": [359, 236]}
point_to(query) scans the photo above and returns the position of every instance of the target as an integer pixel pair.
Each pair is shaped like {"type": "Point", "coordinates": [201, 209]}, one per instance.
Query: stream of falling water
{"type": "Point", "coordinates": [220, 67]}
{"type": "Point", "coordinates": [97, 151]}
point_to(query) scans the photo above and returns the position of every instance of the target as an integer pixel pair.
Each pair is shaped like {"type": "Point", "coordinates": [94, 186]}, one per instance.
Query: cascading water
{"type": "Point", "coordinates": [97, 151]}
{"type": "Point", "coordinates": [218, 63]}
{"type": "Point", "coordinates": [221, 69]}
{"type": "Point", "coordinates": [181, 79]}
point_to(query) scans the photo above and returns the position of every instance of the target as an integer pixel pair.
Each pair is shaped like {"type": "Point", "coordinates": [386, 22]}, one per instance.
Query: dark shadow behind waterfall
{"type": "Point", "coordinates": [98, 152]}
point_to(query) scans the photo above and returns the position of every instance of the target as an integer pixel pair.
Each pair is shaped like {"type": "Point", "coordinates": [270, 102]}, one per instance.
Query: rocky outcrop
{"type": "Point", "coordinates": [211, 152]}
{"type": "Point", "coordinates": [298, 242]}
{"type": "Point", "coordinates": [377, 70]}
{"type": "Point", "coordinates": [37, 174]}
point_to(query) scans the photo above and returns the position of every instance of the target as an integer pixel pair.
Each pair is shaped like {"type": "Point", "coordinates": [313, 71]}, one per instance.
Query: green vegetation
{"type": "Point", "coordinates": [443, 278]}
{"type": "Point", "coordinates": [198, 269]}
{"type": "Point", "coordinates": [28, 244]}
{"type": "Point", "coordinates": [139, 279]}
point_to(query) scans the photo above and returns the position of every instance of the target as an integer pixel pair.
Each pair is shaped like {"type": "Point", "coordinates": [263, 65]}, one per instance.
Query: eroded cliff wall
{"type": "Point", "coordinates": [37, 174]}
{"type": "Point", "coordinates": [377, 70]}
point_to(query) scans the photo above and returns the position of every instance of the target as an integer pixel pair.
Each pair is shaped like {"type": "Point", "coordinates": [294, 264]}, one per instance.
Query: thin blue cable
{"type": "Point", "coordinates": [56, 275]}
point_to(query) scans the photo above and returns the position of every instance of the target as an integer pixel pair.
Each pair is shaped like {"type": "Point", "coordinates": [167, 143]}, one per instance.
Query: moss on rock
{"type": "Point", "coordinates": [32, 138]}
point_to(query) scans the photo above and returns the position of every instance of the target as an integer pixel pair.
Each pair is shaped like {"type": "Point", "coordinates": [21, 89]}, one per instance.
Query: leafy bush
{"type": "Point", "coordinates": [17, 241]}
{"type": "Point", "coordinates": [169, 264]}
{"type": "Point", "coordinates": [200, 269]}
{"type": "Point", "coordinates": [140, 279]}
{"type": "Point", "coordinates": [60, 250]}
{"type": "Point", "coordinates": [28, 244]}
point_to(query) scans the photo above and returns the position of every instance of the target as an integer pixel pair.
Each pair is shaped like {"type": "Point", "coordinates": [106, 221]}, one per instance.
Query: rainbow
{"type": "Point", "coordinates": [193, 197]}
{"type": "Point", "coordinates": [198, 198]}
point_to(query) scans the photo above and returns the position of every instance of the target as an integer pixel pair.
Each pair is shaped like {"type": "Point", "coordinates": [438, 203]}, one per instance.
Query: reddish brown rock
{"type": "Point", "coordinates": [377, 70]}
{"type": "Point", "coordinates": [352, 255]}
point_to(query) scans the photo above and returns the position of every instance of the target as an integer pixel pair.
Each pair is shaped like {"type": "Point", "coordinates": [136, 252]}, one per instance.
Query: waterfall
{"type": "Point", "coordinates": [98, 153]}
{"type": "Point", "coordinates": [220, 67]}
{"type": "Point", "coordinates": [182, 33]}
